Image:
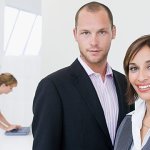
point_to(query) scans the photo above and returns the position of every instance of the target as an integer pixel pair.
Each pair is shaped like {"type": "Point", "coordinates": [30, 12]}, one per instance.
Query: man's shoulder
{"type": "Point", "coordinates": [118, 73]}
{"type": "Point", "coordinates": [66, 72]}
{"type": "Point", "coordinates": [119, 76]}
{"type": "Point", "coordinates": [57, 74]}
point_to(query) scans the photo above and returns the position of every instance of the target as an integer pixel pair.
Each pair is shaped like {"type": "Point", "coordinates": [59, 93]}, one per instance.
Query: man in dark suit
{"type": "Point", "coordinates": [81, 106]}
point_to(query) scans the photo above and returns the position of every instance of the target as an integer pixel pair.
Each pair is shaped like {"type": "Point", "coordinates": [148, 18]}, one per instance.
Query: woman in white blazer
{"type": "Point", "coordinates": [134, 131]}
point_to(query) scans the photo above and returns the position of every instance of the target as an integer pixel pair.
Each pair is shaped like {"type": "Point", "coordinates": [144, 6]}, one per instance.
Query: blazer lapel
{"type": "Point", "coordinates": [88, 92]}
{"type": "Point", "coordinates": [128, 134]}
{"type": "Point", "coordinates": [124, 135]}
{"type": "Point", "coordinates": [147, 145]}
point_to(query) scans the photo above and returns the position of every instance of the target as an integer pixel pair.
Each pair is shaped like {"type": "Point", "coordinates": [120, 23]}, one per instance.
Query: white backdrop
{"type": "Point", "coordinates": [1, 27]}
{"type": "Point", "coordinates": [132, 19]}
{"type": "Point", "coordinates": [59, 49]}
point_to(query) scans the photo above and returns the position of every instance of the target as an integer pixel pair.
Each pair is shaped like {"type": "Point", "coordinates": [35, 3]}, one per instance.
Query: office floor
{"type": "Point", "coordinates": [15, 142]}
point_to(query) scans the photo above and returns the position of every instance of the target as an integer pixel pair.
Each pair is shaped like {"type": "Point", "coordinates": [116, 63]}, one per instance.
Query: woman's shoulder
{"type": "Point", "coordinates": [127, 118]}
{"type": "Point", "coordinates": [123, 133]}
{"type": "Point", "coordinates": [130, 113]}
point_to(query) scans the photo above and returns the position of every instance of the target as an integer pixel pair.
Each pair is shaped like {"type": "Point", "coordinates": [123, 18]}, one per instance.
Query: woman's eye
{"type": "Point", "coordinates": [133, 69]}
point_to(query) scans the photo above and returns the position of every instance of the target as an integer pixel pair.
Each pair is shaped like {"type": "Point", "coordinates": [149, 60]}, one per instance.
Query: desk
{"type": "Point", "coordinates": [15, 142]}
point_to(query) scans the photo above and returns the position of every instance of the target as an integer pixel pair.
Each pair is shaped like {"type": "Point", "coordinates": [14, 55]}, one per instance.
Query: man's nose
{"type": "Point", "coordinates": [94, 40]}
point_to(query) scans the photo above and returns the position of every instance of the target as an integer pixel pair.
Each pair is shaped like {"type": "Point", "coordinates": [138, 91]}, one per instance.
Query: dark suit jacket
{"type": "Point", "coordinates": [68, 114]}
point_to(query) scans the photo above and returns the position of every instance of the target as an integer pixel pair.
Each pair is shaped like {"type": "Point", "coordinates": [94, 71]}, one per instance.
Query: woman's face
{"type": "Point", "coordinates": [7, 88]}
{"type": "Point", "coordinates": [139, 73]}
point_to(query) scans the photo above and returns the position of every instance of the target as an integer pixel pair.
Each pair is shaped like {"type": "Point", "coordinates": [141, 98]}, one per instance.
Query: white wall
{"type": "Point", "coordinates": [59, 48]}
{"type": "Point", "coordinates": [17, 105]}
{"type": "Point", "coordinates": [2, 3]}
{"type": "Point", "coordinates": [132, 21]}
{"type": "Point", "coordinates": [33, 6]}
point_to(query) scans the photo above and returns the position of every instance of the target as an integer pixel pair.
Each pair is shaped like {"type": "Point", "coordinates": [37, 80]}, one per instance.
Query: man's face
{"type": "Point", "coordinates": [94, 35]}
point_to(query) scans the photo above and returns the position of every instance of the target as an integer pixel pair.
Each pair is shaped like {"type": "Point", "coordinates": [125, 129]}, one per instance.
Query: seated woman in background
{"type": "Point", "coordinates": [7, 83]}
{"type": "Point", "coordinates": [134, 131]}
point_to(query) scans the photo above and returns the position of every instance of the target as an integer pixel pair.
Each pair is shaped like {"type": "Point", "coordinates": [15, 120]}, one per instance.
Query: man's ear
{"type": "Point", "coordinates": [75, 33]}
{"type": "Point", "coordinates": [113, 32]}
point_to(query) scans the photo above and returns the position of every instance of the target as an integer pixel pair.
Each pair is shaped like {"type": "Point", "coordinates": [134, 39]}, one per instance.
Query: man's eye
{"type": "Point", "coordinates": [148, 67]}
{"type": "Point", "coordinates": [102, 32]}
{"type": "Point", "coordinates": [85, 33]}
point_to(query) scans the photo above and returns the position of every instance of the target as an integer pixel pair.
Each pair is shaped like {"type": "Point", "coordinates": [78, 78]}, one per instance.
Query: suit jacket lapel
{"type": "Point", "coordinates": [122, 101]}
{"type": "Point", "coordinates": [87, 91]}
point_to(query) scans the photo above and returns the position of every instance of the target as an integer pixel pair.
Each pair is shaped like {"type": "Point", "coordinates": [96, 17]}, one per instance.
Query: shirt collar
{"type": "Point", "coordinates": [139, 113]}
{"type": "Point", "coordinates": [89, 71]}
{"type": "Point", "coordinates": [137, 119]}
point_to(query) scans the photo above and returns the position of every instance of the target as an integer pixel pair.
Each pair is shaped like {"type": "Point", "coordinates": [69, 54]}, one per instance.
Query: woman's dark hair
{"type": "Point", "coordinates": [133, 49]}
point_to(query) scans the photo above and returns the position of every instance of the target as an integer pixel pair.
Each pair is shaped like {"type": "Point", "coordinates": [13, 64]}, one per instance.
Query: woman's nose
{"type": "Point", "coordinates": [142, 76]}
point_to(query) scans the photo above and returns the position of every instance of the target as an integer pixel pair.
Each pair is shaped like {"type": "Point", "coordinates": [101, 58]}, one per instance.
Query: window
{"type": "Point", "coordinates": [22, 32]}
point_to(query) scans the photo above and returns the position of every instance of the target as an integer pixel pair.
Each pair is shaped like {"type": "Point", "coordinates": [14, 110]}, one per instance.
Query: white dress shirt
{"type": "Point", "coordinates": [107, 95]}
